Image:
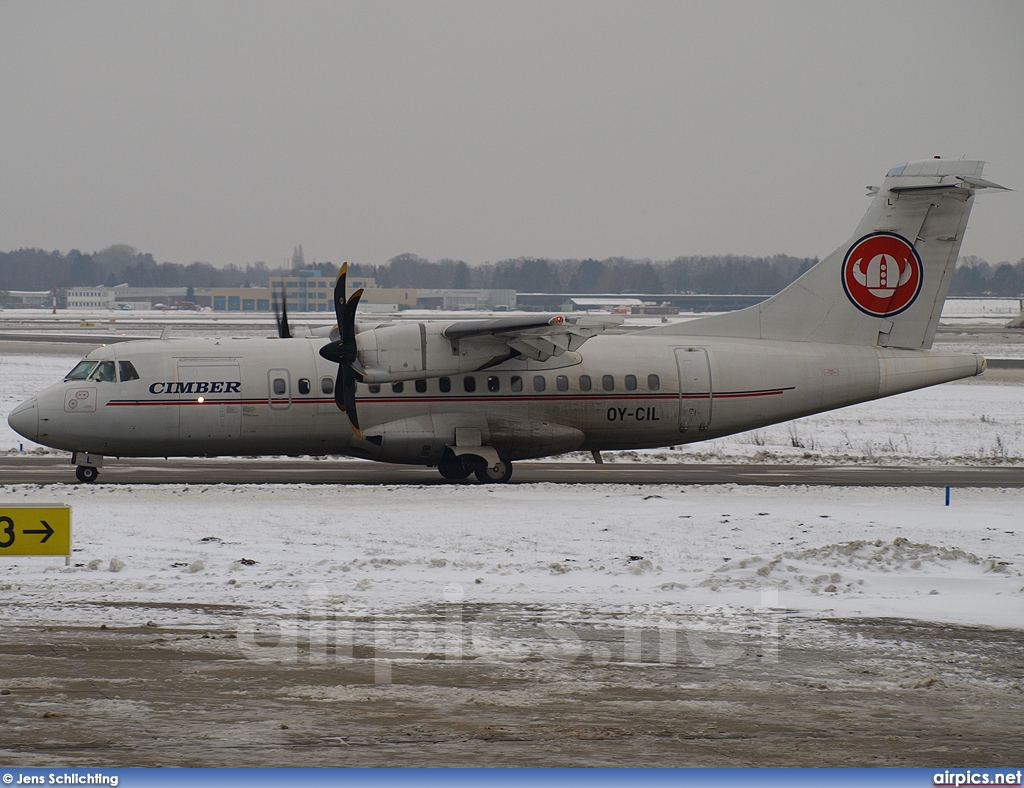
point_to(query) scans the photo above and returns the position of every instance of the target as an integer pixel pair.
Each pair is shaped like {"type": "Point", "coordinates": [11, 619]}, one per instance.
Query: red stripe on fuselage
{"type": "Point", "coordinates": [433, 399]}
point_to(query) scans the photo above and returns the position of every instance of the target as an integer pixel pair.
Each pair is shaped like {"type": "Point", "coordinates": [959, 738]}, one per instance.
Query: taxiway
{"type": "Point", "coordinates": [30, 469]}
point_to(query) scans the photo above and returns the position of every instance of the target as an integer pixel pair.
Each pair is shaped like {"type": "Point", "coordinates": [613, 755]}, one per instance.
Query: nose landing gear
{"type": "Point", "coordinates": [86, 473]}
{"type": "Point", "coordinates": [88, 465]}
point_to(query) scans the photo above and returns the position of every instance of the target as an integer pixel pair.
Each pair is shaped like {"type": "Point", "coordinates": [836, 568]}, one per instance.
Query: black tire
{"type": "Point", "coordinates": [86, 473]}
{"type": "Point", "coordinates": [454, 469]}
{"type": "Point", "coordinates": [502, 474]}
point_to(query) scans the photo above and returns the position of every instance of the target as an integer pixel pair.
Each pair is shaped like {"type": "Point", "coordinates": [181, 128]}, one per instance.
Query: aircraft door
{"type": "Point", "coordinates": [695, 395]}
{"type": "Point", "coordinates": [210, 408]}
{"type": "Point", "coordinates": [279, 382]}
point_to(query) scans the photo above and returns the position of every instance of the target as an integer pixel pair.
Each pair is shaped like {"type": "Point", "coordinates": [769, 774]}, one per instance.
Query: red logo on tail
{"type": "Point", "coordinates": [882, 274]}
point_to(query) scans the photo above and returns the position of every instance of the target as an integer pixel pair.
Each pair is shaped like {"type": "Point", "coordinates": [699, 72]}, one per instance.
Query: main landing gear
{"type": "Point", "coordinates": [496, 471]}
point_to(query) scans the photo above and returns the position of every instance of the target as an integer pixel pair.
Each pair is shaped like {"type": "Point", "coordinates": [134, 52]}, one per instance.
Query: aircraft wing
{"type": "Point", "coordinates": [538, 337]}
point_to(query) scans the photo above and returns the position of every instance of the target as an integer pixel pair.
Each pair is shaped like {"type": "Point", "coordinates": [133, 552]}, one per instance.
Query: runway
{"type": "Point", "coordinates": [29, 469]}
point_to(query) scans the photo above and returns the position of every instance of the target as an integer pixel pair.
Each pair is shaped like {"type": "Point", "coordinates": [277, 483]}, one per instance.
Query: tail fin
{"type": "Point", "coordinates": [887, 284]}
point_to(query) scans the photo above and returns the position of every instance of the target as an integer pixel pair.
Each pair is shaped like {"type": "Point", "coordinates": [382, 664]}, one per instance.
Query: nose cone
{"type": "Point", "coordinates": [24, 419]}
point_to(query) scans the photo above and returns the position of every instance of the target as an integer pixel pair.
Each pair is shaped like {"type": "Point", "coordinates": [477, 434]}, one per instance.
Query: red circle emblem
{"type": "Point", "coordinates": [882, 274]}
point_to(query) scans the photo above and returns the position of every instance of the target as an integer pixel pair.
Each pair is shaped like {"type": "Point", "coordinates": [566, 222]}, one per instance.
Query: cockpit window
{"type": "Point", "coordinates": [104, 372]}
{"type": "Point", "coordinates": [127, 371]}
{"type": "Point", "coordinates": [81, 370]}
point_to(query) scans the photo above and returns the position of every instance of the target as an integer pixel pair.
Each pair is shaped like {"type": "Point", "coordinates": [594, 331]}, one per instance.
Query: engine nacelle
{"type": "Point", "coordinates": [410, 351]}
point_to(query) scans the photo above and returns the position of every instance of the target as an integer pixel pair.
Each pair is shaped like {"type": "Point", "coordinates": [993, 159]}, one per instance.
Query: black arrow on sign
{"type": "Point", "coordinates": [48, 531]}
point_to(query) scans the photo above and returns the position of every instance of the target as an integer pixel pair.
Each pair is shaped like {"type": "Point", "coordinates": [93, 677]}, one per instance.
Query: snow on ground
{"type": "Point", "coordinates": [572, 553]}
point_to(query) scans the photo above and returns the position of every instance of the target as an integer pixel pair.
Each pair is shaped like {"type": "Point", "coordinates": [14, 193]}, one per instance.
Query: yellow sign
{"type": "Point", "coordinates": [35, 530]}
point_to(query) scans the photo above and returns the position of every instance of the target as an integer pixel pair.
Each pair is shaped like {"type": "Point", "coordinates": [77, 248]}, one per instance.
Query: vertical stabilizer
{"type": "Point", "coordinates": [887, 284]}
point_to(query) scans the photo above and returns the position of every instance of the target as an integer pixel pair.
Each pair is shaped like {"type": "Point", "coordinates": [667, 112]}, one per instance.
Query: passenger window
{"type": "Point", "coordinates": [81, 370]}
{"type": "Point", "coordinates": [493, 384]}
{"type": "Point", "coordinates": [127, 371]}
{"type": "Point", "coordinates": [469, 383]}
{"type": "Point", "coordinates": [104, 372]}
{"type": "Point", "coordinates": [585, 384]}
{"type": "Point", "coordinates": [303, 386]}
{"type": "Point", "coordinates": [327, 385]}
{"type": "Point", "coordinates": [445, 384]}
{"type": "Point", "coordinates": [653, 383]}
{"type": "Point", "coordinates": [630, 382]}
{"type": "Point", "coordinates": [562, 383]}
{"type": "Point", "coordinates": [421, 386]}
{"type": "Point", "coordinates": [398, 387]}
{"type": "Point", "coordinates": [516, 384]}
{"type": "Point", "coordinates": [607, 382]}
{"type": "Point", "coordinates": [539, 384]}
{"type": "Point", "coordinates": [279, 387]}
{"type": "Point", "coordinates": [375, 388]}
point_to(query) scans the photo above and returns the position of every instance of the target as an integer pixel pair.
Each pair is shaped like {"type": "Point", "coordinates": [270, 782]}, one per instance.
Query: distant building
{"type": "Point", "coordinates": [453, 300]}
{"type": "Point", "coordinates": [241, 299]}
{"type": "Point", "coordinates": [27, 298]}
{"type": "Point", "coordinates": [147, 297]}
{"type": "Point", "coordinates": [122, 297]}
{"type": "Point", "coordinates": [404, 297]}
{"type": "Point", "coordinates": [90, 297]}
{"type": "Point", "coordinates": [308, 291]}
{"type": "Point", "coordinates": [606, 303]}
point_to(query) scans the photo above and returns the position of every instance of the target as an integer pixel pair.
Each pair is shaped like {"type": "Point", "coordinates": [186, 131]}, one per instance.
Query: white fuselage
{"type": "Point", "coordinates": [252, 396]}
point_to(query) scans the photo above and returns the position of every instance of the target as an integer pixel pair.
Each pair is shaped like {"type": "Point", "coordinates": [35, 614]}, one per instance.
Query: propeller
{"type": "Point", "coordinates": [343, 351]}
{"type": "Point", "coordinates": [283, 331]}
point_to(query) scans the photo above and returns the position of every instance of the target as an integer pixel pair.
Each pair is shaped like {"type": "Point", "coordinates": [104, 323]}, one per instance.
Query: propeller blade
{"type": "Point", "coordinates": [343, 351]}
{"type": "Point", "coordinates": [348, 333]}
{"type": "Point", "coordinates": [339, 390]}
{"type": "Point", "coordinates": [345, 397]}
{"type": "Point", "coordinates": [339, 293]}
{"type": "Point", "coordinates": [283, 331]}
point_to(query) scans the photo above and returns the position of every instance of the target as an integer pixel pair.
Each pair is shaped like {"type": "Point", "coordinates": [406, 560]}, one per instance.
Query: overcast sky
{"type": "Point", "coordinates": [231, 132]}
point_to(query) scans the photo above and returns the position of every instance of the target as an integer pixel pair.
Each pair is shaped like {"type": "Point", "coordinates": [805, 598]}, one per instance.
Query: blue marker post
{"type": "Point", "coordinates": [947, 495]}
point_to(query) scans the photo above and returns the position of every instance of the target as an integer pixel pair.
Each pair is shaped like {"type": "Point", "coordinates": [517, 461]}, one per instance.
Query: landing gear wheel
{"type": "Point", "coordinates": [454, 469]}
{"type": "Point", "coordinates": [498, 474]}
{"type": "Point", "coordinates": [86, 473]}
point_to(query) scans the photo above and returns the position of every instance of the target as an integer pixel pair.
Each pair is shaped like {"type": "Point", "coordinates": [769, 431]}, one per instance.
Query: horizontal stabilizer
{"type": "Point", "coordinates": [981, 183]}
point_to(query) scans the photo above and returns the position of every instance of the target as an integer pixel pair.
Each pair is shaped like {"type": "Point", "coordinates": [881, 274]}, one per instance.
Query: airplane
{"type": "Point", "coordinates": [472, 397]}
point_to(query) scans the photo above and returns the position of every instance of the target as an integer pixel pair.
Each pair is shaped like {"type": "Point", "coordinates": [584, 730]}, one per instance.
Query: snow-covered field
{"type": "Point", "coordinates": [643, 555]}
